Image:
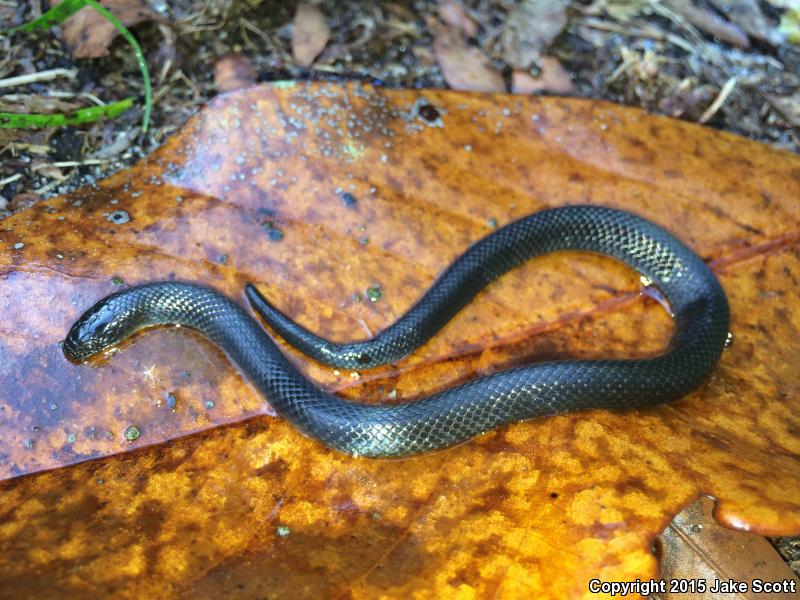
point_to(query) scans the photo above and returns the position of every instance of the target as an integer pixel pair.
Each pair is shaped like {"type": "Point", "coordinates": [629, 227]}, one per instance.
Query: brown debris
{"type": "Point", "coordinates": [464, 66]}
{"type": "Point", "coordinates": [711, 23]}
{"type": "Point", "coordinates": [694, 548]}
{"type": "Point", "coordinates": [88, 34]}
{"type": "Point", "coordinates": [553, 78]}
{"type": "Point", "coordinates": [310, 34]}
{"type": "Point", "coordinates": [530, 28]}
{"type": "Point", "coordinates": [233, 71]}
{"type": "Point", "coordinates": [452, 12]}
{"type": "Point", "coordinates": [747, 15]}
{"type": "Point", "coordinates": [788, 106]}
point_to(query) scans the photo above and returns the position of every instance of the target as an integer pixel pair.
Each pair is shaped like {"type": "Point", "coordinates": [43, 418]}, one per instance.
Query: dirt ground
{"type": "Point", "coordinates": [731, 65]}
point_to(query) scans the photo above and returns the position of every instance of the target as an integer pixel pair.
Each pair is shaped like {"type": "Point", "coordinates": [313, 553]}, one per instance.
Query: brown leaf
{"type": "Point", "coordinates": [88, 34]}
{"type": "Point", "coordinates": [464, 66]}
{"type": "Point", "coordinates": [532, 510]}
{"type": "Point", "coordinates": [530, 28]}
{"type": "Point", "coordinates": [310, 34]}
{"type": "Point", "coordinates": [233, 71]}
{"type": "Point", "coordinates": [711, 23]}
{"type": "Point", "coordinates": [747, 15]}
{"type": "Point", "coordinates": [552, 78]}
{"type": "Point", "coordinates": [697, 550]}
{"type": "Point", "coordinates": [788, 106]}
{"type": "Point", "coordinates": [453, 13]}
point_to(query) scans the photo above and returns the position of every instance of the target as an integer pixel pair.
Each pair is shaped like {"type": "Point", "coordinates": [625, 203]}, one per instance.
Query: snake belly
{"type": "Point", "coordinates": [699, 307]}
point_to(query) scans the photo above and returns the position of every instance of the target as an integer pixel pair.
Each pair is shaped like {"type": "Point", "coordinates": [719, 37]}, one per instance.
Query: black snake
{"type": "Point", "coordinates": [698, 303]}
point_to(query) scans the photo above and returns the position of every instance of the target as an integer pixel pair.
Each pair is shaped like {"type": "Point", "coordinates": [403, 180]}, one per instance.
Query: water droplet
{"type": "Point", "coordinates": [282, 530]}
{"type": "Point", "coordinates": [492, 223]}
{"type": "Point", "coordinates": [210, 404]}
{"type": "Point", "coordinates": [19, 246]}
{"type": "Point", "coordinates": [132, 433]}
{"type": "Point", "coordinates": [28, 443]}
{"type": "Point", "coordinates": [274, 234]}
{"type": "Point", "coordinates": [118, 217]}
{"type": "Point", "coordinates": [348, 199]}
{"type": "Point", "coordinates": [172, 401]}
{"type": "Point", "coordinates": [729, 340]}
{"type": "Point", "coordinates": [72, 438]}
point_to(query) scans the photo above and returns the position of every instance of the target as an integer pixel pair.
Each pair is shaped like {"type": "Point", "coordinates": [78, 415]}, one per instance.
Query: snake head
{"type": "Point", "coordinates": [100, 327]}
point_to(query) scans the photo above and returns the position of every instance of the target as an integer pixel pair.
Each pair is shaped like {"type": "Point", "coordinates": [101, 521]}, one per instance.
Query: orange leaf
{"type": "Point", "coordinates": [535, 509]}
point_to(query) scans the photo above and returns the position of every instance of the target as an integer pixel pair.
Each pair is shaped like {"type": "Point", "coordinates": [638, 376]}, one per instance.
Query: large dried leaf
{"type": "Point", "coordinates": [255, 509]}
{"type": "Point", "coordinates": [88, 34]}
{"type": "Point", "coordinates": [699, 556]}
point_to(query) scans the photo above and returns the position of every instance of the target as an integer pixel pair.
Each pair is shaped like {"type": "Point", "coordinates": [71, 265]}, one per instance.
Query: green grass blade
{"type": "Point", "coordinates": [55, 16]}
{"type": "Point", "coordinates": [148, 93]}
{"type": "Point", "coordinates": [83, 115]}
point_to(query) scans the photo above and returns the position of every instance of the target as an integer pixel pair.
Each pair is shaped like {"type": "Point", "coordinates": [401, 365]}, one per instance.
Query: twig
{"type": "Point", "coordinates": [71, 163]}
{"type": "Point", "coordinates": [719, 100]}
{"type": "Point", "coordinates": [39, 76]}
{"type": "Point", "coordinates": [12, 179]}
{"type": "Point", "coordinates": [53, 94]}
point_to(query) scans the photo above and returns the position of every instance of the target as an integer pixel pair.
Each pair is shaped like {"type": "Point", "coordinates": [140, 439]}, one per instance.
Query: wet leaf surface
{"type": "Point", "coordinates": [254, 508]}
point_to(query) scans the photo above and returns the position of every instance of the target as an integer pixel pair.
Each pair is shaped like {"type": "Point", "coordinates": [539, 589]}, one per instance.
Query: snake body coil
{"type": "Point", "coordinates": [698, 303]}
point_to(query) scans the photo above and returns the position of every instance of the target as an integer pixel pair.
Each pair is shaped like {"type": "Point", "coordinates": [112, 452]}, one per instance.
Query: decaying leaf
{"type": "Point", "coordinates": [789, 107]}
{"type": "Point", "coordinates": [747, 15]}
{"type": "Point", "coordinates": [553, 78]}
{"type": "Point", "coordinates": [710, 22]}
{"type": "Point", "coordinates": [117, 498]}
{"type": "Point", "coordinates": [310, 34]}
{"type": "Point", "coordinates": [453, 13]}
{"type": "Point", "coordinates": [695, 549]}
{"type": "Point", "coordinates": [530, 28]}
{"type": "Point", "coordinates": [88, 34]}
{"type": "Point", "coordinates": [464, 66]}
{"type": "Point", "coordinates": [233, 71]}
